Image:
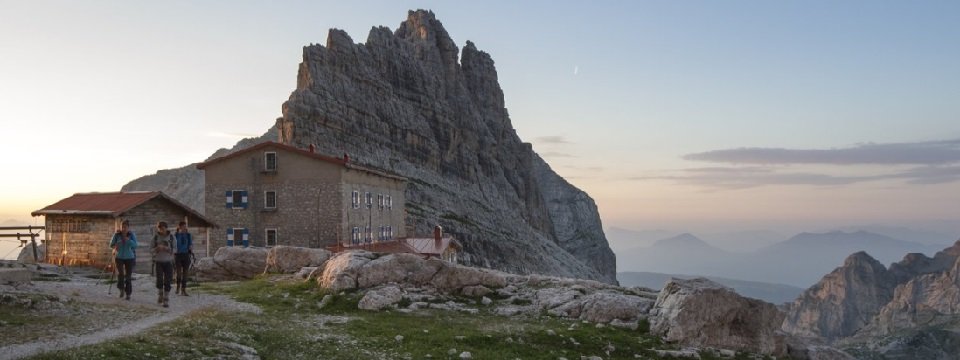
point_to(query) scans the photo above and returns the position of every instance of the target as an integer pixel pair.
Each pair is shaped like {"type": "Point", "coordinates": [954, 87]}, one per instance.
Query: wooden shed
{"type": "Point", "coordinates": [79, 228]}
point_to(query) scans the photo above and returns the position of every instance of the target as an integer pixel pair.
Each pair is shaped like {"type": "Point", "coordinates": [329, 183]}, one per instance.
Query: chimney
{"type": "Point", "coordinates": [346, 158]}
{"type": "Point", "coordinates": [437, 236]}
{"type": "Point", "coordinates": [313, 148]}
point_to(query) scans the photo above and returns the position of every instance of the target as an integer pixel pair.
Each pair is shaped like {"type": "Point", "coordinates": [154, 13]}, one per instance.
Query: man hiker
{"type": "Point", "coordinates": [162, 250]}
{"type": "Point", "coordinates": [124, 244]}
{"type": "Point", "coordinates": [182, 257]}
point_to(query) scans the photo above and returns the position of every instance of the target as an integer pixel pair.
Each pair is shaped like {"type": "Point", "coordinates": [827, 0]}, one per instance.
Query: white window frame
{"type": "Point", "coordinates": [266, 163]}
{"type": "Point", "coordinates": [356, 199]}
{"type": "Point", "coordinates": [266, 198]}
{"type": "Point", "coordinates": [369, 199]}
{"type": "Point", "coordinates": [266, 237]}
{"type": "Point", "coordinates": [380, 201]}
{"type": "Point", "coordinates": [355, 235]}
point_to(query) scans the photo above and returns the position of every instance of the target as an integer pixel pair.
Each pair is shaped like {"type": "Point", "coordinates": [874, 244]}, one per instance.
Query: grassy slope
{"type": "Point", "coordinates": [292, 326]}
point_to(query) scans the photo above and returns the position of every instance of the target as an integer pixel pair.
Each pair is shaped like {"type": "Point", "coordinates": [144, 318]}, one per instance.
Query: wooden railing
{"type": "Point", "coordinates": [22, 237]}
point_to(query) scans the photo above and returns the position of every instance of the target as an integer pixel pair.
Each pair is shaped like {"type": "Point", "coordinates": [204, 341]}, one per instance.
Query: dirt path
{"type": "Point", "coordinates": [143, 299]}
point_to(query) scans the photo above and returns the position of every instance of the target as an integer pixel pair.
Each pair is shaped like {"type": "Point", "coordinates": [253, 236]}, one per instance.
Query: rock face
{"type": "Point", "coordinates": [843, 301]}
{"type": "Point", "coordinates": [699, 312]}
{"type": "Point", "coordinates": [909, 311]}
{"type": "Point", "coordinates": [405, 101]}
{"type": "Point", "coordinates": [411, 102]}
{"type": "Point", "coordinates": [231, 263]}
{"type": "Point", "coordinates": [290, 259]}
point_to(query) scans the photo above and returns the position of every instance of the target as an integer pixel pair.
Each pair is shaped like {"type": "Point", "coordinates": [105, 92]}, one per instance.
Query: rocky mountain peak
{"type": "Point", "coordinates": [431, 40]}
{"type": "Point", "coordinates": [863, 260]}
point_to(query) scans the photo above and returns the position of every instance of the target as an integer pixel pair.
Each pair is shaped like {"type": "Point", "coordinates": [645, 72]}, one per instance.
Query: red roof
{"type": "Point", "coordinates": [113, 204]}
{"type": "Point", "coordinates": [430, 245]}
{"type": "Point", "coordinates": [304, 152]}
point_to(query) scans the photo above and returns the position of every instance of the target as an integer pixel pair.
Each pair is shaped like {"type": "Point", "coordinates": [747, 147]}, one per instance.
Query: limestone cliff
{"type": "Point", "coordinates": [411, 102]}
{"type": "Point", "coordinates": [843, 301]}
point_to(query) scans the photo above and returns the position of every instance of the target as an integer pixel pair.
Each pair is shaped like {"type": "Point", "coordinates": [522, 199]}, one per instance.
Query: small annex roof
{"type": "Point", "coordinates": [113, 204]}
{"type": "Point", "coordinates": [430, 245]}
{"type": "Point", "coordinates": [333, 160]}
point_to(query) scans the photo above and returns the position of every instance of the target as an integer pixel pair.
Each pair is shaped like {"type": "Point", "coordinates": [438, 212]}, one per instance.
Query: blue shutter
{"type": "Point", "coordinates": [229, 236]}
{"type": "Point", "coordinates": [229, 199]}
{"type": "Point", "coordinates": [246, 203]}
{"type": "Point", "coordinates": [246, 237]}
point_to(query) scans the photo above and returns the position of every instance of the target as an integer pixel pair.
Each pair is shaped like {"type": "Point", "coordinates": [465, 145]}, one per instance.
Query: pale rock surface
{"type": "Point", "coordinates": [291, 259]}
{"type": "Point", "coordinates": [604, 307]}
{"type": "Point", "coordinates": [381, 298]}
{"type": "Point", "coordinates": [26, 254]}
{"type": "Point", "coordinates": [843, 301]}
{"type": "Point", "coordinates": [342, 270]}
{"type": "Point", "coordinates": [921, 301]}
{"type": "Point", "coordinates": [701, 313]}
{"type": "Point", "coordinates": [231, 263]}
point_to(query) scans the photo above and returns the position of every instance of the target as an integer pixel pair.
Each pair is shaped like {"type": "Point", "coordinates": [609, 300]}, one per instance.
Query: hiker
{"type": "Point", "coordinates": [162, 250]}
{"type": "Point", "coordinates": [182, 257]}
{"type": "Point", "coordinates": [124, 245]}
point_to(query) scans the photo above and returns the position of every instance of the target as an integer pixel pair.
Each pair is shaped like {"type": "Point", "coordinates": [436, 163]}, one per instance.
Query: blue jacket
{"type": "Point", "coordinates": [184, 242]}
{"type": "Point", "coordinates": [126, 250]}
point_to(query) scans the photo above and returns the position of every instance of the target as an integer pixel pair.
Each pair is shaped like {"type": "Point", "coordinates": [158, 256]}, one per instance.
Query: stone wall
{"type": "Point", "coordinates": [85, 244]}
{"type": "Point", "coordinates": [375, 215]}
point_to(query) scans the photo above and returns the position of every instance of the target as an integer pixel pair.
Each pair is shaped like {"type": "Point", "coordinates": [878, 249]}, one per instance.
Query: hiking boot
{"type": "Point", "coordinates": [184, 292]}
{"type": "Point", "coordinates": [128, 296]}
{"type": "Point", "coordinates": [166, 299]}
{"type": "Point", "coordinates": [159, 296]}
{"type": "Point", "coordinates": [121, 293]}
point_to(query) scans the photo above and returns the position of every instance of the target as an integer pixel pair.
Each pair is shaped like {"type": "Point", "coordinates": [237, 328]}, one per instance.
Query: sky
{"type": "Point", "coordinates": [684, 115]}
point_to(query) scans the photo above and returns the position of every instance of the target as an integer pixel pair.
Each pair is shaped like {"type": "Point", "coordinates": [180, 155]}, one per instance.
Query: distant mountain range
{"type": "Point", "coordinates": [769, 292]}
{"type": "Point", "coordinates": [798, 261]}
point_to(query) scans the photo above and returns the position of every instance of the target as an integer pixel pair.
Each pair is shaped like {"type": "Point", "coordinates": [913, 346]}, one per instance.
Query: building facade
{"type": "Point", "coordinates": [79, 228]}
{"type": "Point", "coordinates": [275, 194]}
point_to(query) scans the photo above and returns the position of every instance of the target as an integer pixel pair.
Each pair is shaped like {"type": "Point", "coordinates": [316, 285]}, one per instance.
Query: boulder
{"type": "Point", "coordinates": [476, 291]}
{"type": "Point", "coordinates": [396, 268]}
{"type": "Point", "coordinates": [702, 313]}
{"type": "Point", "coordinates": [290, 259]}
{"type": "Point", "coordinates": [232, 263]}
{"type": "Point", "coordinates": [380, 298]}
{"type": "Point", "coordinates": [604, 307]}
{"type": "Point", "coordinates": [455, 277]}
{"type": "Point", "coordinates": [342, 270]}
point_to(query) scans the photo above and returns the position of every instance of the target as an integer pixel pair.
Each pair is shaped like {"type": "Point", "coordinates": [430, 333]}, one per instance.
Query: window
{"type": "Point", "coordinates": [355, 239]}
{"type": "Point", "coordinates": [238, 236]}
{"type": "Point", "coordinates": [68, 226]}
{"type": "Point", "coordinates": [356, 199]}
{"type": "Point", "coordinates": [270, 161]}
{"type": "Point", "coordinates": [237, 199]}
{"type": "Point", "coordinates": [388, 200]}
{"type": "Point", "coordinates": [367, 235]}
{"type": "Point", "coordinates": [369, 198]}
{"type": "Point", "coordinates": [270, 199]}
{"type": "Point", "coordinates": [271, 237]}
{"type": "Point", "coordinates": [383, 233]}
{"type": "Point", "coordinates": [389, 232]}
{"type": "Point", "coordinates": [380, 202]}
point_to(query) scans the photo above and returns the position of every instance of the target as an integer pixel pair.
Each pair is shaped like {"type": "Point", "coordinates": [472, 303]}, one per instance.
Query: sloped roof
{"type": "Point", "coordinates": [333, 160]}
{"type": "Point", "coordinates": [430, 245]}
{"type": "Point", "coordinates": [113, 204]}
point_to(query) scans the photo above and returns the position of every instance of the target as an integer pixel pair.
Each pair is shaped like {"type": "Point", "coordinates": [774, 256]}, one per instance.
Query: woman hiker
{"type": "Point", "coordinates": [162, 250]}
{"type": "Point", "coordinates": [124, 244]}
{"type": "Point", "coordinates": [182, 256]}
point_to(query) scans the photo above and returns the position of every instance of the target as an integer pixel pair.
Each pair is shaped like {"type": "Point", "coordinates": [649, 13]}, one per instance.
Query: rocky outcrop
{"type": "Point", "coordinates": [231, 263]}
{"type": "Point", "coordinates": [843, 301]}
{"type": "Point", "coordinates": [411, 102]}
{"type": "Point", "coordinates": [26, 254]}
{"type": "Point", "coordinates": [926, 300]}
{"type": "Point", "coordinates": [701, 313]}
{"type": "Point", "coordinates": [290, 259]}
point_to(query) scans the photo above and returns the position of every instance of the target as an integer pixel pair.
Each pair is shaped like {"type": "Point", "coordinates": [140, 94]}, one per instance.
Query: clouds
{"type": "Point", "coordinates": [552, 139]}
{"type": "Point", "coordinates": [915, 163]}
{"type": "Point", "coordinates": [916, 153]}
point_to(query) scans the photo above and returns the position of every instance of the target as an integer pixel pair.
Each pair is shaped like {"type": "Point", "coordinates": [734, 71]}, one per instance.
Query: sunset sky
{"type": "Point", "coordinates": [671, 114]}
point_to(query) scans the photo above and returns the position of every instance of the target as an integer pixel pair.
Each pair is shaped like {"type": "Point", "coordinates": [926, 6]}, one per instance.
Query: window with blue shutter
{"type": "Point", "coordinates": [229, 236]}
{"type": "Point", "coordinates": [229, 199]}
{"type": "Point", "coordinates": [237, 199]}
{"type": "Point", "coordinates": [246, 237]}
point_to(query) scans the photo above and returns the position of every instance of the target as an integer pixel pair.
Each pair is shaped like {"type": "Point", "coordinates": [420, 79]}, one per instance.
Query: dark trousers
{"type": "Point", "coordinates": [125, 275]}
{"type": "Point", "coordinates": [164, 271]}
{"type": "Point", "coordinates": [182, 265]}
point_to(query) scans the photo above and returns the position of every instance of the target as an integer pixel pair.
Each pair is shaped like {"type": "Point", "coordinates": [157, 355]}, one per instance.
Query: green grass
{"type": "Point", "coordinates": [293, 326]}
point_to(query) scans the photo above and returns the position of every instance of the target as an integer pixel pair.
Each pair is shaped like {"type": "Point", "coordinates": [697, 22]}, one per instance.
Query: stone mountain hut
{"type": "Point", "coordinates": [79, 228]}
